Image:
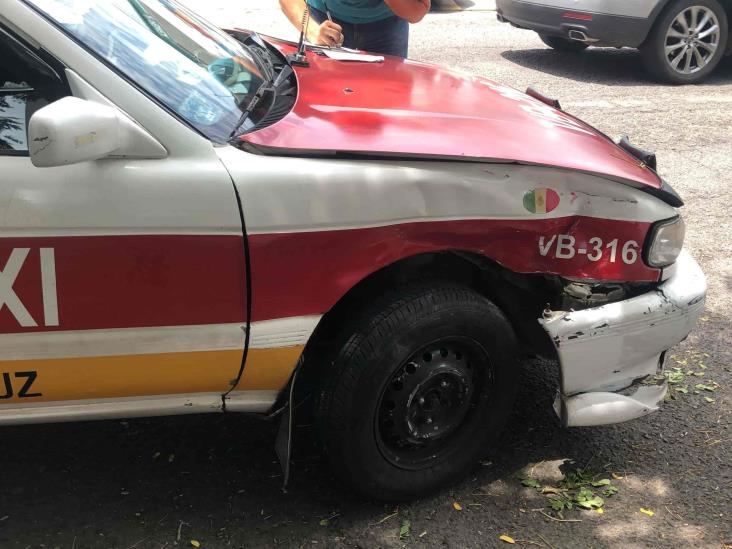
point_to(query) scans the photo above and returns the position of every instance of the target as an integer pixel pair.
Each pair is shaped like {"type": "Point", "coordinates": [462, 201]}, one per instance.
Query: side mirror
{"type": "Point", "coordinates": [72, 130]}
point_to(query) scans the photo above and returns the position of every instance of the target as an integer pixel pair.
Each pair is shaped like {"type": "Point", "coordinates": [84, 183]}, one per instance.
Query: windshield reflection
{"type": "Point", "coordinates": [190, 66]}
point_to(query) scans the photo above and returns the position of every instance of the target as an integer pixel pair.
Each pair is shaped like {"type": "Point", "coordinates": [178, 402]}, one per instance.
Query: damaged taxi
{"type": "Point", "coordinates": [194, 220]}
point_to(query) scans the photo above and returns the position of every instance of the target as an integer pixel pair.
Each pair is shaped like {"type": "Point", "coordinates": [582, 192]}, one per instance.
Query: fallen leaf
{"type": "Point", "coordinates": [708, 399]}
{"type": "Point", "coordinates": [603, 482]}
{"type": "Point", "coordinates": [404, 530]}
{"type": "Point", "coordinates": [195, 543]}
{"type": "Point", "coordinates": [600, 511]}
{"type": "Point", "coordinates": [457, 506]}
{"type": "Point", "coordinates": [647, 512]}
{"type": "Point", "coordinates": [507, 539]}
{"type": "Point", "coordinates": [550, 490]}
{"type": "Point", "coordinates": [590, 503]}
{"type": "Point", "coordinates": [617, 476]}
{"type": "Point", "coordinates": [324, 522]}
{"type": "Point", "coordinates": [530, 483]}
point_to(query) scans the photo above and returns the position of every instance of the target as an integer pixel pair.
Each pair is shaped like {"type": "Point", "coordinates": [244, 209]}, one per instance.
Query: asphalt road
{"type": "Point", "coordinates": [164, 482]}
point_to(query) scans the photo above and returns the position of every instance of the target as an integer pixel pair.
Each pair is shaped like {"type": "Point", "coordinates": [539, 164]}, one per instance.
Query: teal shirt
{"type": "Point", "coordinates": [354, 11]}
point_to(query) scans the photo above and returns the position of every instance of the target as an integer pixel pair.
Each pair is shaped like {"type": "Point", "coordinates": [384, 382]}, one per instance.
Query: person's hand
{"type": "Point", "coordinates": [326, 34]}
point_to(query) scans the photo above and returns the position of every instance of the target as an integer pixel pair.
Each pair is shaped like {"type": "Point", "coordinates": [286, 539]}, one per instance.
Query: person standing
{"type": "Point", "coordinates": [379, 26]}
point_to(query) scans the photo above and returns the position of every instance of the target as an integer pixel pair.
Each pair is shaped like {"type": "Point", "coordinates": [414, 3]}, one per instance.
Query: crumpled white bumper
{"type": "Point", "coordinates": [605, 352]}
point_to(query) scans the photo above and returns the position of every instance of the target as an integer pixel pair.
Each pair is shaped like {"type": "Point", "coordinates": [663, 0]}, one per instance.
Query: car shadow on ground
{"type": "Point", "coordinates": [162, 482]}
{"type": "Point", "coordinates": [449, 6]}
{"type": "Point", "coordinates": [617, 67]}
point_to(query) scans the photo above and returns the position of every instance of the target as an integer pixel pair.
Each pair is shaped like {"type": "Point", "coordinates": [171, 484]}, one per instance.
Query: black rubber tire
{"type": "Point", "coordinates": [653, 53]}
{"type": "Point", "coordinates": [563, 44]}
{"type": "Point", "coordinates": [377, 344]}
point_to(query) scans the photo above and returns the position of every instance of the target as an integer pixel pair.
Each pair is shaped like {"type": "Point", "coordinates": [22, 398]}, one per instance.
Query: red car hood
{"type": "Point", "coordinates": [406, 108]}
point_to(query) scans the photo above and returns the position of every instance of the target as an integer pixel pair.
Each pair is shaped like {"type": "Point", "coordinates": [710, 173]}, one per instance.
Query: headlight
{"type": "Point", "coordinates": [666, 242]}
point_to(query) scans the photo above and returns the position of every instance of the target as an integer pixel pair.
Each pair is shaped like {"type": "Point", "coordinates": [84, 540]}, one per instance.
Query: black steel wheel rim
{"type": "Point", "coordinates": [429, 400]}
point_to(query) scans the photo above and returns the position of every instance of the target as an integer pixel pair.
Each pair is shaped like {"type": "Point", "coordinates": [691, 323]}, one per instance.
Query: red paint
{"type": "Point", "coordinates": [552, 200]}
{"type": "Point", "coordinates": [578, 16]}
{"type": "Point", "coordinates": [139, 281]}
{"type": "Point", "coordinates": [406, 107]}
{"type": "Point", "coordinates": [307, 273]}
{"type": "Point", "coordinates": [132, 281]}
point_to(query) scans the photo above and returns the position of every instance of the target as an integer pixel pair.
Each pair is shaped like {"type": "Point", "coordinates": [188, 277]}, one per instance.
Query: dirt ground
{"type": "Point", "coordinates": [167, 482]}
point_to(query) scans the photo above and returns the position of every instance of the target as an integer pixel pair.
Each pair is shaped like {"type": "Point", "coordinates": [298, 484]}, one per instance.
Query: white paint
{"type": "Point", "coordinates": [268, 334]}
{"type": "Point", "coordinates": [602, 408]}
{"type": "Point", "coordinates": [286, 195]}
{"type": "Point", "coordinates": [545, 246]}
{"type": "Point", "coordinates": [48, 284]}
{"type": "Point", "coordinates": [85, 410]}
{"type": "Point", "coordinates": [283, 332]}
{"type": "Point", "coordinates": [250, 401]}
{"type": "Point", "coordinates": [606, 348]}
{"type": "Point", "coordinates": [126, 407]}
{"type": "Point", "coordinates": [8, 297]}
{"type": "Point", "coordinates": [566, 248]}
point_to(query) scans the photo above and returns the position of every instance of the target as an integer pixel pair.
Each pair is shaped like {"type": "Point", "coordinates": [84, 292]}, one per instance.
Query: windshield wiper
{"type": "Point", "coordinates": [262, 57]}
{"type": "Point", "coordinates": [268, 85]}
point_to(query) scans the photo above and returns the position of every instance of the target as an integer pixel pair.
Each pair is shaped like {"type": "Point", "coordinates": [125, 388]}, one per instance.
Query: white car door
{"type": "Point", "coordinates": [121, 279]}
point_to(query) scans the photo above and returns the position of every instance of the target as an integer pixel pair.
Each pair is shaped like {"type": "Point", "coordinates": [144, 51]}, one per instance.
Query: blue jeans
{"type": "Point", "coordinates": [389, 36]}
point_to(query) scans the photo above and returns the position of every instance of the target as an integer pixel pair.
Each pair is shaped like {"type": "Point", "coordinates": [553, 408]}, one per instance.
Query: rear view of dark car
{"type": "Point", "coordinates": [681, 41]}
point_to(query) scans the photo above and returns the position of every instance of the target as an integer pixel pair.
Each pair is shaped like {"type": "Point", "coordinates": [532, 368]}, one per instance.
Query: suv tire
{"type": "Point", "coordinates": [676, 28]}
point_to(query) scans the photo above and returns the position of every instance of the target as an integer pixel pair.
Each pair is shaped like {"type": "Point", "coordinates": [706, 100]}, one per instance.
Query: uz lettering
{"type": "Point", "coordinates": [8, 297]}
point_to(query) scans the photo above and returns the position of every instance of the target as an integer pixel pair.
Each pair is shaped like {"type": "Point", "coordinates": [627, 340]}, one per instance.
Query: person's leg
{"type": "Point", "coordinates": [389, 37]}
{"type": "Point", "coordinates": [349, 40]}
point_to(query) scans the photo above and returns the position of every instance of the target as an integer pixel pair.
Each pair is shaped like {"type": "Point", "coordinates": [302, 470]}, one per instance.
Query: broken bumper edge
{"type": "Point", "coordinates": [607, 354]}
{"type": "Point", "coordinates": [602, 408]}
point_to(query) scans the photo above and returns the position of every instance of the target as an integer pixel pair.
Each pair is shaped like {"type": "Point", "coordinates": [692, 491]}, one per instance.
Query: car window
{"type": "Point", "coordinates": [27, 84]}
{"type": "Point", "coordinates": [193, 68]}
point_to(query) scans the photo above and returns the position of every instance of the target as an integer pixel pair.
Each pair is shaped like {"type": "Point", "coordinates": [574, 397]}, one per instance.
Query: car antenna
{"type": "Point", "coordinates": [299, 58]}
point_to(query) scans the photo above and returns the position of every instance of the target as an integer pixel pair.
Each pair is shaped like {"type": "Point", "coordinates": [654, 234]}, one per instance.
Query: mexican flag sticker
{"type": "Point", "coordinates": [541, 201]}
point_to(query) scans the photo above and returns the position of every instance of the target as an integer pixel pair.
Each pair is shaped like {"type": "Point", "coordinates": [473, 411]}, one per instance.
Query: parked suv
{"type": "Point", "coordinates": [681, 41]}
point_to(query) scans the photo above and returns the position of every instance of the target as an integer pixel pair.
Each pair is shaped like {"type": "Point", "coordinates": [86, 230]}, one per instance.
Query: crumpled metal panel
{"type": "Point", "coordinates": [606, 348]}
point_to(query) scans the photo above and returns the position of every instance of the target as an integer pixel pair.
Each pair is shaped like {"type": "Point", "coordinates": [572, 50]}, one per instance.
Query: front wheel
{"type": "Point", "coordinates": [563, 44]}
{"type": "Point", "coordinates": [418, 388]}
{"type": "Point", "coordinates": [687, 41]}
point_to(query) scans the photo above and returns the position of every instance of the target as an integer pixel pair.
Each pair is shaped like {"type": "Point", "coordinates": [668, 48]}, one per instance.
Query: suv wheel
{"type": "Point", "coordinates": [417, 389]}
{"type": "Point", "coordinates": [563, 44]}
{"type": "Point", "coordinates": [687, 41]}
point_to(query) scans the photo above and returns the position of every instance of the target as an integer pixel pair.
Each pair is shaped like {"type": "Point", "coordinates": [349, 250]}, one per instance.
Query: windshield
{"type": "Point", "coordinates": [193, 68]}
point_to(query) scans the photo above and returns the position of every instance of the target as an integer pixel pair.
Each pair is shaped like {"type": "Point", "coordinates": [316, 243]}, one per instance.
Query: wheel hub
{"type": "Point", "coordinates": [692, 39]}
{"type": "Point", "coordinates": [437, 404]}
{"type": "Point", "coordinates": [426, 401]}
